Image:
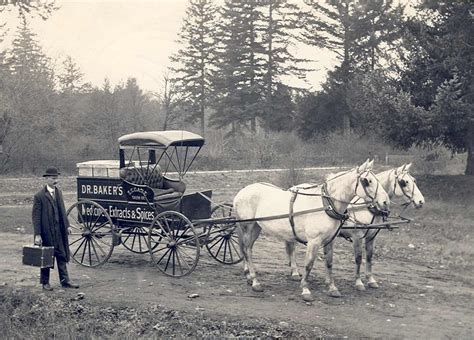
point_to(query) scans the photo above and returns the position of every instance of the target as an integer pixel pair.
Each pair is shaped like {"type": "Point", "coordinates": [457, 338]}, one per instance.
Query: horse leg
{"type": "Point", "coordinates": [311, 251]}
{"type": "Point", "coordinates": [369, 249]}
{"type": "Point", "coordinates": [242, 230]}
{"type": "Point", "coordinates": [358, 261]}
{"type": "Point", "coordinates": [290, 247]}
{"type": "Point", "coordinates": [250, 233]}
{"type": "Point", "coordinates": [328, 252]}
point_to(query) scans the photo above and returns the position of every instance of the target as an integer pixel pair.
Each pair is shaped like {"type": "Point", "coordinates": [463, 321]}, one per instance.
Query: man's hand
{"type": "Point", "coordinates": [38, 240]}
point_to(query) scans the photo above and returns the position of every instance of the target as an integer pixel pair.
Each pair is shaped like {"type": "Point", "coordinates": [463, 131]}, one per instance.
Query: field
{"type": "Point", "coordinates": [425, 270]}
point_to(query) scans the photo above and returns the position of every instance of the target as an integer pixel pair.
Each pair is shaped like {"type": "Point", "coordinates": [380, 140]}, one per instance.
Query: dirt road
{"type": "Point", "coordinates": [417, 298]}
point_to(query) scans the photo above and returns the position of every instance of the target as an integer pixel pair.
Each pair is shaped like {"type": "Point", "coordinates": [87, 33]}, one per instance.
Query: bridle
{"type": "Point", "coordinates": [365, 184]}
{"type": "Point", "coordinates": [403, 184]}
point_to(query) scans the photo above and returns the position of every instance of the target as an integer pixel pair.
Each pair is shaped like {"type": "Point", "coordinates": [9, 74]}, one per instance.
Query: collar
{"type": "Point", "coordinates": [51, 190]}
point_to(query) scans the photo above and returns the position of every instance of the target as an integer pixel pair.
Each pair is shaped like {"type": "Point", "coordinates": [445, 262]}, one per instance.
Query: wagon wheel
{"type": "Point", "coordinates": [92, 236]}
{"type": "Point", "coordinates": [175, 244]}
{"type": "Point", "coordinates": [135, 239]}
{"type": "Point", "coordinates": [223, 241]}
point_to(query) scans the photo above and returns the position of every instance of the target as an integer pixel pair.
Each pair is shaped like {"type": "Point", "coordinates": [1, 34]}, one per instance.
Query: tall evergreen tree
{"type": "Point", "coordinates": [280, 22]}
{"type": "Point", "coordinates": [32, 95]}
{"type": "Point", "coordinates": [70, 80]}
{"type": "Point", "coordinates": [355, 31]}
{"type": "Point", "coordinates": [240, 66]}
{"type": "Point", "coordinates": [439, 74]}
{"type": "Point", "coordinates": [196, 57]}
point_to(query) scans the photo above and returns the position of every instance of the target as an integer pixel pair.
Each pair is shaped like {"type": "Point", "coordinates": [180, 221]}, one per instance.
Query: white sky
{"type": "Point", "coordinates": [127, 38]}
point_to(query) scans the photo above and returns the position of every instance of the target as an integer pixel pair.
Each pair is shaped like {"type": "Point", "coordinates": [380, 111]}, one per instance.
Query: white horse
{"type": "Point", "coordinates": [398, 183]}
{"type": "Point", "coordinates": [254, 203]}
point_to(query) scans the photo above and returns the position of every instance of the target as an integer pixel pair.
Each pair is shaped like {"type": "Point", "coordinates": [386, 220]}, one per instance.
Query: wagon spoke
{"type": "Point", "coordinates": [232, 243]}
{"type": "Point", "coordinates": [70, 244]}
{"type": "Point", "coordinates": [140, 242]}
{"type": "Point", "coordinates": [187, 255]}
{"type": "Point", "coordinates": [84, 251]}
{"type": "Point", "coordinates": [98, 245]}
{"type": "Point", "coordinates": [227, 245]}
{"type": "Point", "coordinates": [179, 262]}
{"type": "Point", "coordinates": [90, 256]}
{"type": "Point", "coordinates": [83, 240]}
{"type": "Point", "coordinates": [100, 226]}
{"type": "Point", "coordinates": [95, 251]}
{"type": "Point", "coordinates": [217, 240]}
{"type": "Point", "coordinates": [168, 261]}
{"type": "Point", "coordinates": [100, 240]}
{"type": "Point", "coordinates": [161, 258]}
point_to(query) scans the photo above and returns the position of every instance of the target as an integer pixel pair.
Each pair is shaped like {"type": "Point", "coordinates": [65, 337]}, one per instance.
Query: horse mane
{"type": "Point", "coordinates": [333, 175]}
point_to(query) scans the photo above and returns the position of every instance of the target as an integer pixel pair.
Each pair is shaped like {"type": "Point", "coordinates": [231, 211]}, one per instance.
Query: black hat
{"type": "Point", "coordinates": [50, 172]}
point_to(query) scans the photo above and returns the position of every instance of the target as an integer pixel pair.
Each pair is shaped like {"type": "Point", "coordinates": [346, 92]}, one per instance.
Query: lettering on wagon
{"type": "Point", "coordinates": [136, 214]}
{"type": "Point", "coordinates": [110, 190]}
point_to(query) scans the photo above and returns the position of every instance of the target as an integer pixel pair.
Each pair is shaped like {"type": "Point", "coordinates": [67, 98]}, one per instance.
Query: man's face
{"type": "Point", "coordinates": [52, 180]}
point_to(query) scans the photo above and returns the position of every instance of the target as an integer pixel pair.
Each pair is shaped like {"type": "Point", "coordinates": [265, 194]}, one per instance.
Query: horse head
{"type": "Point", "coordinates": [405, 186]}
{"type": "Point", "coordinates": [368, 187]}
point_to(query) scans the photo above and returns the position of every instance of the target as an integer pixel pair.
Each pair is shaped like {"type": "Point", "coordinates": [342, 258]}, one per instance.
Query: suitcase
{"type": "Point", "coordinates": [37, 256]}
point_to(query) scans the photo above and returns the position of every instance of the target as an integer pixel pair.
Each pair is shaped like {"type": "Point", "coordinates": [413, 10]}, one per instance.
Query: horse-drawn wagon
{"type": "Point", "coordinates": [135, 203]}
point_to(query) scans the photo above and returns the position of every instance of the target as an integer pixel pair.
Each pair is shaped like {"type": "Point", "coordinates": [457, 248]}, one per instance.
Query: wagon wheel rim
{"type": "Point", "coordinates": [92, 237]}
{"type": "Point", "coordinates": [222, 240]}
{"type": "Point", "coordinates": [135, 239]}
{"type": "Point", "coordinates": [175, 244]}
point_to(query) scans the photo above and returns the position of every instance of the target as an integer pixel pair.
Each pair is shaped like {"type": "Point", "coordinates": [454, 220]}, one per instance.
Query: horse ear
{"type": "Point", "coordinates": [363, 167]}
{"type": "Point", "coordinates": [370, 165]}
{"type": "Point", "coordinates": [408, 166]}
{"type": "Point", "coordinates": [400, 169]}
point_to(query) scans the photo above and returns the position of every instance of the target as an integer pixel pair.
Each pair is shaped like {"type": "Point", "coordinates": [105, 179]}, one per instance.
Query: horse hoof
{"type": "Point", "coordinates": [308, 297]}
{"type": "Point", "coordinates": [249, 282]}
{"type": "Point", "coordinates": [257, 288]}
{"type": "Point", "coordinates": [295, 277]}
{"type": "Point", "coordinates": [373, 284]}
{"type": "Point", "coordinates": [360, 287]}
{"type": "Point", "coordinates": [334, 293]}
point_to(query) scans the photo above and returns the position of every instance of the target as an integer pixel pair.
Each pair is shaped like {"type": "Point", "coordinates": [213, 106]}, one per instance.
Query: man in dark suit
{"type": "Point", "coordinates": [51, 227]}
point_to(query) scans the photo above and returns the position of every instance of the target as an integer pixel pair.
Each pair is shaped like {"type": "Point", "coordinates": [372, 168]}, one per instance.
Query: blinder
{"type": "Point", "coordinates": [402, 183]}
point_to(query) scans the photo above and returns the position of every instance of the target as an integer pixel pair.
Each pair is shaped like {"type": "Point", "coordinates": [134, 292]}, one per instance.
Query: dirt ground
{"type": "Point", "coordinates": [424, 291]}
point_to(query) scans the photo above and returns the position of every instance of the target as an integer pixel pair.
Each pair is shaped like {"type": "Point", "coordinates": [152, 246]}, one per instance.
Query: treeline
{"type": "Point", "coordinates": [405, 79]}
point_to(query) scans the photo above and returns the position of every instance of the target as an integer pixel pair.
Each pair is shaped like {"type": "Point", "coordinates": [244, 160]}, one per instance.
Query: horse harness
{"type": "Point", "coordinates": [328, 208]}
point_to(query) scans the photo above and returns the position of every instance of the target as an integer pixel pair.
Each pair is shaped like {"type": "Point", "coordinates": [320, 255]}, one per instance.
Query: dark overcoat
{"type": "Point", "coordinates": [50, 221]}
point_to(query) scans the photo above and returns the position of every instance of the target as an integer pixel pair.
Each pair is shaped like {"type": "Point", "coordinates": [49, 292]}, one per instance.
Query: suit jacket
{"type": "Point", "coordinates": [50, 221]}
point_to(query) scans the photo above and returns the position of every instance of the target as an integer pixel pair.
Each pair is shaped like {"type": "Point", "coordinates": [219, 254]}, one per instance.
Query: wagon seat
{"type": "Point", "coordinates": [164, 189]}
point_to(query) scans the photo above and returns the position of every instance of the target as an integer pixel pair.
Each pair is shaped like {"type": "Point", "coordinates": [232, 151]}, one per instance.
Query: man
{"type": "Point", "coordinates": [51, 227]}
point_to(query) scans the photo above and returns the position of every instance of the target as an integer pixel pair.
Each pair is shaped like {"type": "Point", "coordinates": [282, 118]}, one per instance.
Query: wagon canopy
{"type": "Point", "coordinates": [161, 139]}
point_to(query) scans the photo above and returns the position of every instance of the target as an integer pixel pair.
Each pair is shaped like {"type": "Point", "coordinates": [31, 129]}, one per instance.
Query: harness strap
{"type": "Point", "coordinates": [329, 206]}
{"type": "Point", "coordinates": [292, 221]}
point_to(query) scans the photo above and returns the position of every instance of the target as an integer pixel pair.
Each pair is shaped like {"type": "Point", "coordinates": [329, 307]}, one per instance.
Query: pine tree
{"type": "Point", "coordinates": [195, 59]}
{"type": "Point", "coordinates": [71, 78]}
{"type": "Point", "coordinates": [240, 67]}
{"type": "Point", "coordinates": [280, 22]}
{"type": "Point", "coordinates": [32, 96]}
{"type": "Point", "coordinates": [355, 31]}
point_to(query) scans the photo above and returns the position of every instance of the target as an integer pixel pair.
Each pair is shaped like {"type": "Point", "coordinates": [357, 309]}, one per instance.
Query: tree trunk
{"type": "Point", "coordinates": [470, 150]}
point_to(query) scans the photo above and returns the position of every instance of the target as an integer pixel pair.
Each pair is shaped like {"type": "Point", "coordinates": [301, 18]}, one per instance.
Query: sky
{"type": "Point", "coordinates": [118, 39]}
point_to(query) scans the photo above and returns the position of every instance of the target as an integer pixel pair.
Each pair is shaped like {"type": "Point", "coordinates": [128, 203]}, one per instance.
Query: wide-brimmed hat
{"type": "Point", "coordinates": [51, 172]}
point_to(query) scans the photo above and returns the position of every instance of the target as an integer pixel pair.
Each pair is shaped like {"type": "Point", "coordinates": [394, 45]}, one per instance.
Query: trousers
{"type": "Point", "coordinates": [62, 271]}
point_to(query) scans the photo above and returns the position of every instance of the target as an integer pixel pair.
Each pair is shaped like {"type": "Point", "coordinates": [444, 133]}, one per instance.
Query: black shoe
{"type": "Point", "coordinates": [69, 285]}
{"type": "Point", "coordinates": [47, 287]}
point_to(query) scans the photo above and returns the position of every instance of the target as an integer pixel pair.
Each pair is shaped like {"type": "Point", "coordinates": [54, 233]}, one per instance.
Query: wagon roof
{"type": "Point", "coordinates": [161, 139]}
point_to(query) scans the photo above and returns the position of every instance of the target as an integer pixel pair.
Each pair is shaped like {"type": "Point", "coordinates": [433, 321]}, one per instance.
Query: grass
{"type": "Point", "coordinates": [26, 315]}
